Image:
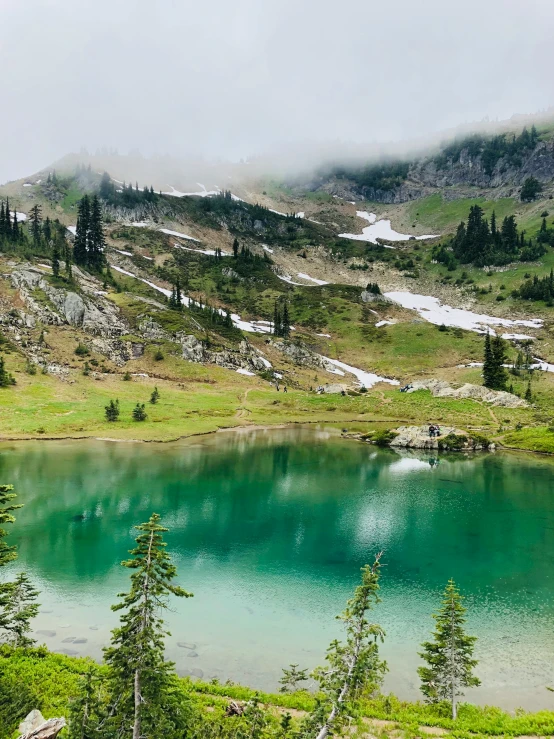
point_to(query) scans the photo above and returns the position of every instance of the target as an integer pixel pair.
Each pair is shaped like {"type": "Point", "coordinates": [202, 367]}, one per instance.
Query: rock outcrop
{"type": "Point", "coordinates": [88, 310]}
{"type": "Point", "coordinates": [451, 439]}
{"type": "Point", "coordinates": [442, 389]}
{"type": "Point", "coordinates": [35, 726]}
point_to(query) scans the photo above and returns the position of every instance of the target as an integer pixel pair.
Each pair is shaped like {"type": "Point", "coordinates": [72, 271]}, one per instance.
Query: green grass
{"type": "Point", "coordinates": [437, 212]}
{"type": "Point", "coordinates": [41, 679]}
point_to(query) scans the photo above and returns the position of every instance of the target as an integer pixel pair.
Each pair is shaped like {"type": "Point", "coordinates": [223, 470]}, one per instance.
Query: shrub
{"type": "Point", "coordinates": [139, 414]}
{"type": "Point", "coordinates": [112, 411]}
{"type": "Point", "coordinates": [383, 437]}
{"type": "Point", "coordinates": [453, 442]}
{"type": "Point", "coordinates": [155, 396]}
{"type": "Point", "coordinates": [159, 355]}
{"type": "Point", "coordinates": [127, 377]}
{"type": "Point", "coordinates": [82, 350]}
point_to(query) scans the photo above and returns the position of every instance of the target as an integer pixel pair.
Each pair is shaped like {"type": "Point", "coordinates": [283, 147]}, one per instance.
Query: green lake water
{"type": "Point", "coordinates": [269, 529]}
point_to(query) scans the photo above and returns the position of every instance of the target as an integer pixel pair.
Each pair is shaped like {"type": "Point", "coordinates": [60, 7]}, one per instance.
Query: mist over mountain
{"type": "Point", "coordinates": [243, 80]}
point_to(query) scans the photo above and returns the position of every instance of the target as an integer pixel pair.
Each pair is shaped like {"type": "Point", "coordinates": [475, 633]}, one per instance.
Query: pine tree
{"type": "Point", "coordinates": [292, 678]}
{"type": "Point", "coordinates": [19, 610]}
{"type": "Point", "coordinates": [352, 666]}
{"type": "Point", "coordinates": [498, 346]}
{"type": "Point", "coordinates": [277, 324]}
{"type": "Point", "coordinates": [488, 364]}
{"type": "Point", "coordinates": [7, 553]}
{"type": "Point", "coordinates": [96, 241]}
{"type": "Point", "coordinates": [80, 247]}
{"type": "Point", "coordinates": [528, 393]}
{"type": "Point", "coordinates": [235, 249]}
{"type": "Point", "coordinates": [140, 679]}
{"type": "Point", "coordinates": [155, 396]}
{"type": "Point", "coordinates": [86, 711]}
{"type": "Point", "coordinates": [6, 379]}
{"type": "Point", "coordinates": [36, 219]}
{"type": "Point", "coordinates": [56, 258]}
{"type": "Point", "coordinates": [112, 411]}
{"type": "Point", "coordinates": [285, 327]}
{"type": "Point", "coordinates": [450, 656]}
{"type": "Point", "coordinates": [47, 230]}
{"type": "Point", "coordinates": [139, 414]}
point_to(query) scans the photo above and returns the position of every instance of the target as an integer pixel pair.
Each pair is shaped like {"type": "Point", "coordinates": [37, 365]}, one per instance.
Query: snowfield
{"type": "Point", "coordinates": [179, 235]}
{"type": "Point", "coordinates": [380, 230]}
{"type": "Point", "coordinates": [366, 379]}
{"type": "Point", "coordinates": [433, 311]}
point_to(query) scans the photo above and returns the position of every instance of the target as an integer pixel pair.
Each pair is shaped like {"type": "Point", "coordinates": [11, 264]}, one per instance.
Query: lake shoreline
{"type": "Point", "coordinates": [258, 427]}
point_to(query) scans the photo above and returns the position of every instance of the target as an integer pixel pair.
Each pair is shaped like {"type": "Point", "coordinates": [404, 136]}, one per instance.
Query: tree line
{"type": "Point", "coordinates": [137, 693]}
{"type": "Point", "coordinates": [484, 243]}
{"type": "Point", "coordinates": [125, 194]}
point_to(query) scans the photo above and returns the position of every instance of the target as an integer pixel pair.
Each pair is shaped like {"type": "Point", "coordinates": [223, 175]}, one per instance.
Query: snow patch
{"type": "Point", "coordinates": [20, 216]}
{"type": "Point", "coordinates": [209, 252]}
{"type": "Point", "coordinates": [380, 230]}
{"type": "Point", "coordinates": [431, 310]}
{"type": "Point", "coordinates": [242, 371]}
{"type": "Point", "coordinates": [72, 230]}
{"type": "Point", "coordinates": [126, 253]}
{"type": "Point", "coordinates": [515, 337]}
{"type": "Point", "coordinates": [384, 323]}
{"type": "Point", "coordinates": [366, 379]}
{"type": "Point", "coordinates": [267, 249]}
{"type": "Point", "coordinates": [27, 184]}
{"type": "Point", "coordinates": [312, 279]}
{"type": "Point", "coordinates": [179, 235]}
{"type": "Point", "coordinates": [301, 214]}
{"type": "Point", "coordinates": [325, 336]}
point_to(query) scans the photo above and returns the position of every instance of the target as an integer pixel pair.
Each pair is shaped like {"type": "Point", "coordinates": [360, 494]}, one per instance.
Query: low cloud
{"type": "Point", "coordinates": [236, 80]}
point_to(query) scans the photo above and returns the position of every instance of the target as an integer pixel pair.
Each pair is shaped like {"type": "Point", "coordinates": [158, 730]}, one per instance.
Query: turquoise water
{"type": "Point", "coordinates": [269, 530]}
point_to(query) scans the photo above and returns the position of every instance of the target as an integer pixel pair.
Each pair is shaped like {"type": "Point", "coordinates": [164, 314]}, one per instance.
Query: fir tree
{"type": "Point", "coordinates": [140, 679]}
{"type": "Point", "coordinates": [47, 230]}
{"type": "Point", "coordinates": [139, 414]}
{"type": "Point", "coordinates": [155, 396]}
{"type": "Point", "coordinates": [56, 259]}
{"type": "Point", "coordinates": [36, 219]}
{"type": "Point", "coordinates": [19, 610]}
{"type": "Point", "coordinates": [450, 655]}
{"type": "Point", "coordinates": [285, 327]}
{"type": "Point", "coordinates": [528, 393]}
{"type": "Point", "coordinates": [96, 241]}
{"type": "Point", "coordinates": [7, 553]}
{"type": "Point", "coordinates": [277, 322]}
{"type": "Point", "coordinates": [6, 379]}
{"type": "Point", "coordinates": [112, 411]}
{"type": "Point", "coordinates": [80, 247]}
{"type": "Point", "coordinates": [352, 666]}
{"type": "Point", "coordinates": [292, 678]}
{"type": "Point", "coordinates": [235, 249]}
{"type": "Point", "coordinates": [86, 711]}
{"type": "Point", "coordinates": [498, 346]}
{"type": "Point", "coordinates": [488, 363]}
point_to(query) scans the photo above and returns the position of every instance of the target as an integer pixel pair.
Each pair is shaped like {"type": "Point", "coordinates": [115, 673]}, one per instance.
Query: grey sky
{"type": "Point", "coordinates": [233, 78]}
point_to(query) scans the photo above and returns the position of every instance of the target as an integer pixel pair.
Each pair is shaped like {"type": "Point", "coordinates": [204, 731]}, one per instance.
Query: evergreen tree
{"type": "Point", "coordinates": [139, 414]}
{"type": "Point", "coordinates": [531, 188]}
{"type": "Point", "coordinates": [140, 679]}
{"type": "Point", "coordinates": [86, 711]}
{"type": "Point", "coordinates": [155, 396]}
{"type": "Point", "coordinates": [47, 230]}
{"type": "Point", "coordinates": [528, 393]}
{"type": "Point", "coordinates": [352, 666]}
{"type": "Point", "coordinates": [450, 655]}
{"type": "Point", "coordinates": [7, 553]}
{"type": "Point", "coordinates": [80, 247]}
{"type": "Point", "coordinates": [56, 259]}
{"type": "Point", "coordinates": [235, 248]}
{"type": "Point", "coordinates": [292, 678]}
{"type": "Point", "coordinates": [96, 241]}
{"type": "Point", "coordinates": [36, 220]}
{"type": "Point", "coordinates": [19, 610]}
{"type": "Point", "coordinates": [285, 327]}
{"type": "Point", "coordinates": [112, 411]}
{"type": "Point", "coordinates": [6, 379]}
{"type": "Point", "coordinates": [277, 323]}
{"type": "Point", "coordinates": [498, 346]}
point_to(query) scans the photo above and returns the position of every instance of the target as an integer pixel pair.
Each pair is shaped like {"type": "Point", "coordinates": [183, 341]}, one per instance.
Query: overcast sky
{"type": "Point", "coordinates": [232, 78]}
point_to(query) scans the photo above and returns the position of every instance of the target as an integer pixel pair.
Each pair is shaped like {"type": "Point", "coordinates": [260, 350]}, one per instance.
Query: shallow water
{"type": "Point", "coordinates": [269, 530]}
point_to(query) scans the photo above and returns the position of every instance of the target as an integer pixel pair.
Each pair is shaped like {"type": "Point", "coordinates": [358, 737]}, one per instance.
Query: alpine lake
{"type": "Point", "coordinates": [269, 529]}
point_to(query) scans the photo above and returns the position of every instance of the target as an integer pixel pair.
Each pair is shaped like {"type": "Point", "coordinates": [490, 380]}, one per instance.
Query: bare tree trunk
{"type": "Point", "coordinates": [136, 723]}
{"type": "Point", "coordinates": [324, 731]}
